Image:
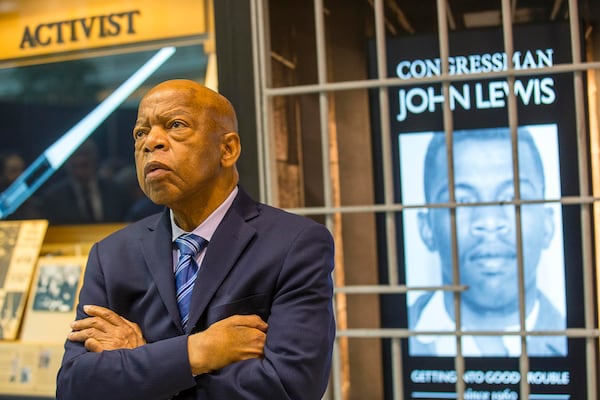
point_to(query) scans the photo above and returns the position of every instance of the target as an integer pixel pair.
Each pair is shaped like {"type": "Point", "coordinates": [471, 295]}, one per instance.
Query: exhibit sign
{"type": "Point", "coordinates": [33, 28]}
{"type": "Point", "coordinates": [511, 238]}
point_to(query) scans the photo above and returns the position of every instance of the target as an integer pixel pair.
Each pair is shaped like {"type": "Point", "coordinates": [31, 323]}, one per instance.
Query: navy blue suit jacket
{"type": "Point", "coordinates": [59, 203]}
{"type": "Point", "coordinates": [261, 260]}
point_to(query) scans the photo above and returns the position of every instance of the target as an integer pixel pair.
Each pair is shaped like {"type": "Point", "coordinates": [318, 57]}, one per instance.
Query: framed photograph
{"type": "Point", "coordinates": [20, 244]}
{"type": "Point", "coordinates": [52, 301]}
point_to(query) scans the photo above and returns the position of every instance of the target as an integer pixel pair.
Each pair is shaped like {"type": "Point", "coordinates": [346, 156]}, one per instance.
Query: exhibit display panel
{"type": "Point", "coordinates": [71, 77]}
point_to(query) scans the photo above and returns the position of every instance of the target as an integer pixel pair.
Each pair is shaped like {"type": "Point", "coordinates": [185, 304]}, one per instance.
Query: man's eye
{"type": "Point", "coordinates": [138, 134]}
{"type": "Point", "coordinates": [177, 124]}
{"type": "Point", "coordinates": [507, 197]}
{"type": "Point", "coordinates": [464, 198]}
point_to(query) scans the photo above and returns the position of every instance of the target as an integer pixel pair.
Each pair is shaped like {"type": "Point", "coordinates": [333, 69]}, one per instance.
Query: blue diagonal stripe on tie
{"type": "Point", "coordinates": [189, 246]}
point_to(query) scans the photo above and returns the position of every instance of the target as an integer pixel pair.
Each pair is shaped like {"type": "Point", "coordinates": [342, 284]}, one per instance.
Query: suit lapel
{"type": "Point", "coordinates": [228, 242]}
{"type": "Point", "coordinates": [158, 253]}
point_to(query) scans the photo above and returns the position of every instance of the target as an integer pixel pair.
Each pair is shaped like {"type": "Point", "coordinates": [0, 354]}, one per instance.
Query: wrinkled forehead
{"type": "Point", "coordinates": [190, 97]}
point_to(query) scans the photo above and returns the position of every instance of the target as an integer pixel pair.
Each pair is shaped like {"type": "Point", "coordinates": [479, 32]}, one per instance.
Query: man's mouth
{"type": "Point", "coordinates": [154, 167]}
{"type": "Point", "coordinates": [492, 260]}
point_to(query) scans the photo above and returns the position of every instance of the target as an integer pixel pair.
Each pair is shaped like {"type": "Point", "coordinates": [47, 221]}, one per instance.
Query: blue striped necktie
{"type": "Point", "coordinates": [189, 246]}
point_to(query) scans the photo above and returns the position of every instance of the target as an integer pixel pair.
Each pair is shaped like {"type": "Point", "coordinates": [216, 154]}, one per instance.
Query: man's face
{"type": "Point", "coordinates": [177, 154]}
{"type": "Point", "coordinates": [13, 167]}
{"type": "Point", "coordinates": [486, 234]}
{"type": "Point", "coordinates": [82, 166]}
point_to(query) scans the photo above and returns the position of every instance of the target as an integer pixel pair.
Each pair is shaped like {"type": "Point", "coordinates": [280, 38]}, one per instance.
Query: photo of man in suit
{"type": "Point", "coordinates": [82, 196]}
{"type": "Point", "coordinates": [487, 248]}
{"type": "Point", "coordinates": [259, 322]}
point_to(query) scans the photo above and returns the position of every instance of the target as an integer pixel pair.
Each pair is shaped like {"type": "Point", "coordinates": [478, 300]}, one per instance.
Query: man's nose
{"type": "Point", "coordinates": [491, 220]}
{"type": "Point", "coordinates": [156, 139]}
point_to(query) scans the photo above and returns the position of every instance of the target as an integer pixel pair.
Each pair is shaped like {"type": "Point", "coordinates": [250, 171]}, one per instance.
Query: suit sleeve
{"type": "Point", "coordinates": [300, 335]}
{"type": "Point", "coordinates": [157, 370]}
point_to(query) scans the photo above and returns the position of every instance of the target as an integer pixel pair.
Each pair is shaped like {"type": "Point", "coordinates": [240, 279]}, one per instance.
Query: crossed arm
{"type": "Point", "coordinates": [237, 338]}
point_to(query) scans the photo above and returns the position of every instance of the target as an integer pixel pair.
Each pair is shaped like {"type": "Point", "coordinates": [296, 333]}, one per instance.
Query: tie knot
{"type": "Point", "coordinates": [190, 244]}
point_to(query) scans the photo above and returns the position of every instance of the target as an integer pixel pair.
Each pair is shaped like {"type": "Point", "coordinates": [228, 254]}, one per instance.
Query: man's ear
{"type": "Point", "coordinates": [425, 230]}
{"type": "Point", "coordinates": [231, 149]}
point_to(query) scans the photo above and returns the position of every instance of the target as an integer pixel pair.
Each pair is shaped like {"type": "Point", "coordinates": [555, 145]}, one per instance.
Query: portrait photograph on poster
{"type": "Point", "coordinates": [486, 239]}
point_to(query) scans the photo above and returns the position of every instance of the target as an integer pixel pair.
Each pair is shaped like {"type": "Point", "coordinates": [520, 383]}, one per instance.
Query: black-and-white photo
{"type": "Point", "coordinates": [8, 238]}
{"type": "Point", "coordinates": [486, 239]}
{"type": "Point", "coordinates": [56, 287]}
{"type": "Point", "coordinates": [10, 303]}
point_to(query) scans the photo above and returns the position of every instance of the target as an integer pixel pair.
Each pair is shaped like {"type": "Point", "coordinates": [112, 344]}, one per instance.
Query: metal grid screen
{"type": "Point", "coordinates": [389, 207]}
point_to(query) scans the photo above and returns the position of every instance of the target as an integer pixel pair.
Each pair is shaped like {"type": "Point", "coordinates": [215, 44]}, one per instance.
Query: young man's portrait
{"type": "Point", "coordinates": [486, 241]}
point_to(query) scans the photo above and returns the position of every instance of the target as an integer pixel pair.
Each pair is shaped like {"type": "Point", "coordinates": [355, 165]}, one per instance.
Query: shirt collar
{"type": "Point", "coordinates": [208, 227]}
{"type": "Point", "coordinates": [434, 317]}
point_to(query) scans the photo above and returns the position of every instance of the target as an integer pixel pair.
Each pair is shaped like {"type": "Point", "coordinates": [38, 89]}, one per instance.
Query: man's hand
{"type": "Point", "coordinates": [237, 338]}
{"type": "Point", "coordinates": [105, 330]}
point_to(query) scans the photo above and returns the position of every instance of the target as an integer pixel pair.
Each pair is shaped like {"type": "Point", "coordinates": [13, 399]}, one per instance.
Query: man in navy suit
{"type": "Point", "coordinates": [82, 196]}
{"type": "Point", "coordinates": [261, 324]}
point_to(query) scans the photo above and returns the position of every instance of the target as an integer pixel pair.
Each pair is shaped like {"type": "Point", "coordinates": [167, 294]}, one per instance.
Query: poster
{"type": "Point", "coordinates": [20, 244]}
{"type": "Point", "coordinates": [490, 215]}
{"type": "Point", "coordinates": [486, 240]}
